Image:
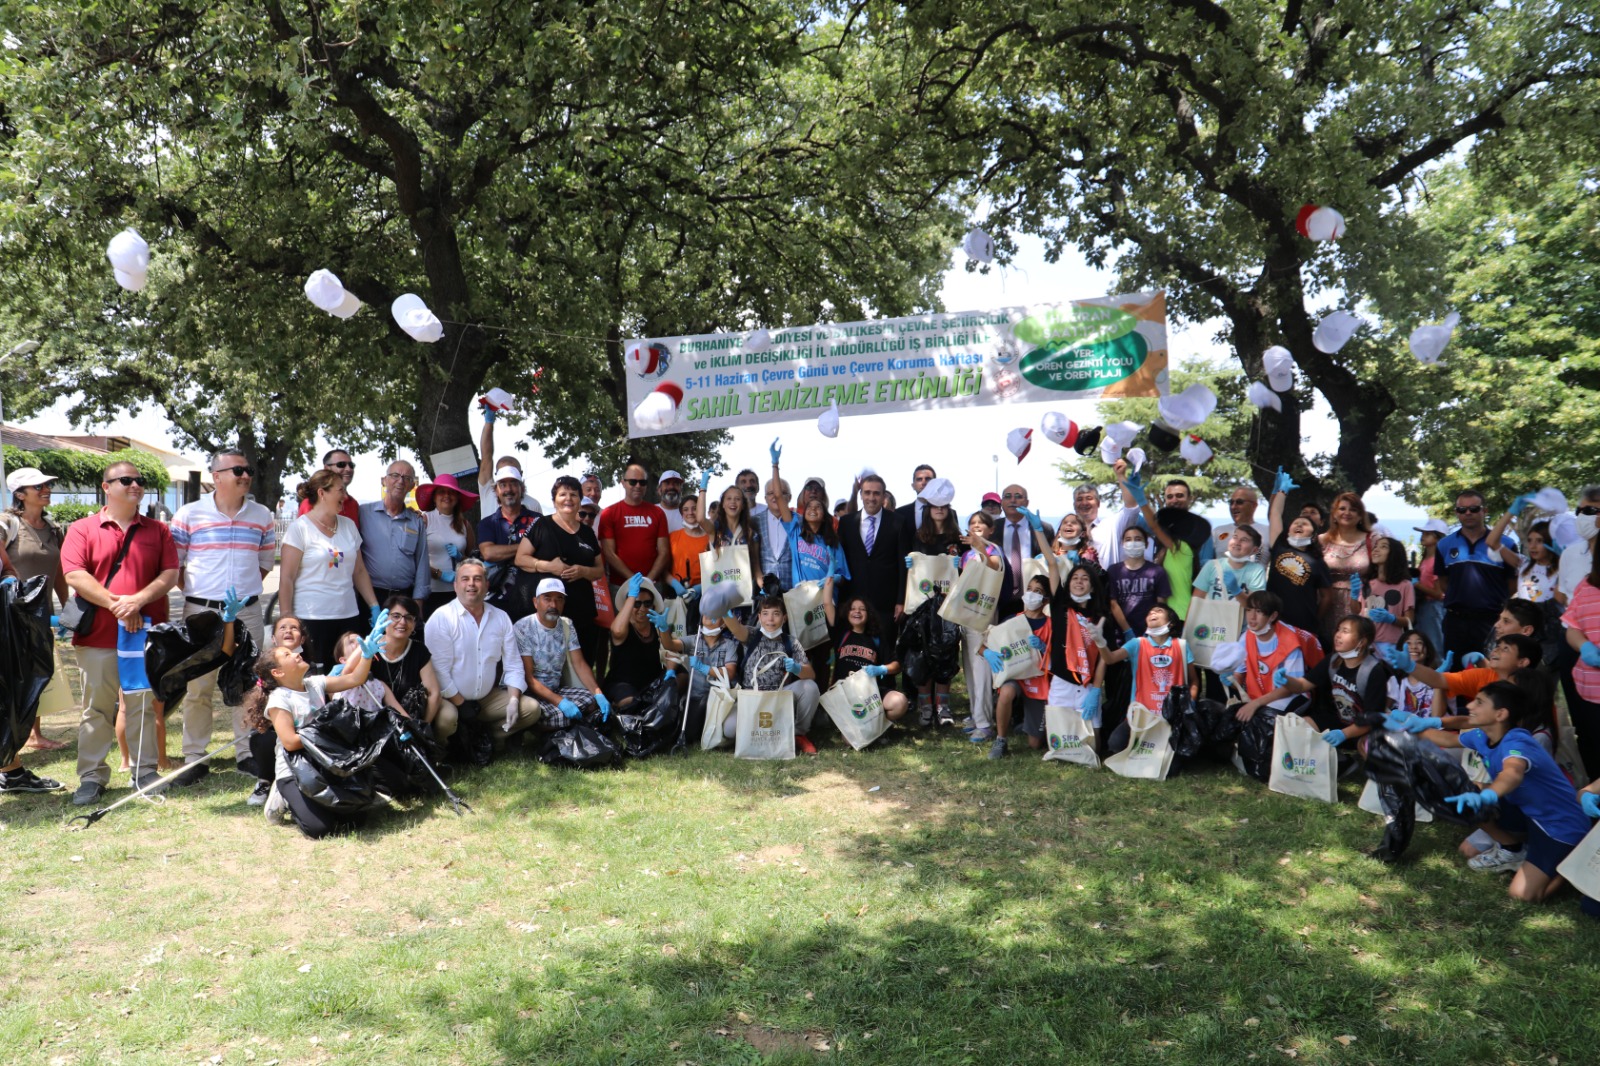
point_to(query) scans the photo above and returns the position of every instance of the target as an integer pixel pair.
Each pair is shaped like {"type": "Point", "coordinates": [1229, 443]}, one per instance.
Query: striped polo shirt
{"type": "Point", "coordinates": [218, 552]}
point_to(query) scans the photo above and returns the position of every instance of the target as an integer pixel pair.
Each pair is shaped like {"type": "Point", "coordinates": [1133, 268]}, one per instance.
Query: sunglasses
{"type": "Point", "coordinates": [1474, 509]}
{"type": "Point", "coordinates": [341, 466]}
{"type": "Point", "coordinates": [587, 515]}
{"type": "Point", "coordinates": [1589, 511]}
{"type": "Point", "coordinates": [236, 471]}
{"type": "Point", "coordinates": [126, 481]}
{"type": "Point", "coordinates": [635, 481]}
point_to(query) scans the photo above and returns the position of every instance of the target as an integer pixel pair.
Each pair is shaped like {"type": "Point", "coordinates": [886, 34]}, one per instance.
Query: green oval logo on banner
{"type": "Point", "coordinates": [1081, 348]}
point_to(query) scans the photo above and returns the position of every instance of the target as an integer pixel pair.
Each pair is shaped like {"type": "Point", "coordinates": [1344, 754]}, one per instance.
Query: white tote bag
{"type": "Point", "coordinates": [1033, 567]}
{"type": "Point", "coordinates": [928, 574]}
{"type": "Point", "coordinates": [857, 709]}
{"type": "Point", "coordinates": [1370, 803]}
{"type": "Point", "coordinates": [1303, 764]}
{"type": "Point", "coordinates": [766, 725]}
{"type": "Point", "coordinates": [1581, 867]}
{"type": "Point", "coordinates": [808, 619]}
{"type": "Point", "coordinates": [1211, 623]}
{"type": "Point", "coordinates": [973, 597]}
{"type": "Point", "coordinates": [1017, 657]}
{"type": "Point", "coordinates": [1070, 738]}
{"type": "Point", "coordinates": [678, 626]}
{"type": "Point", "coordinates": [728, 564]}
{"type": "Point", "coordinates": [1477, 769]}
{"type": "Point", "coordinates": [719, 704]}
{"type": "Point", "coordinates": [1149, 751]}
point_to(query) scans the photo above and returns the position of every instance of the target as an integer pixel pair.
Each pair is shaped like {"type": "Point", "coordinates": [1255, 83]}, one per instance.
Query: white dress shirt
{"type": "Point", "coordinates": [466, 651]}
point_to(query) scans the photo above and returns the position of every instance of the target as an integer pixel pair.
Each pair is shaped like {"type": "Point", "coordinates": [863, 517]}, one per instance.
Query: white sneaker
{"type": "Point", "coordinates": [1497, 860]}
{"type": "Point", "coordinates": [276, 809]}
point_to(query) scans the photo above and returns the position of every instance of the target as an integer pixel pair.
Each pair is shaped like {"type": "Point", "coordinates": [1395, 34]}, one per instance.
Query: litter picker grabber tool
{"type": "Point", "coordinates": [152, 787]}
{"type": "Point", "coordinates": [682, 746]}
{"type": "Point", "coordinates": [456, 802]}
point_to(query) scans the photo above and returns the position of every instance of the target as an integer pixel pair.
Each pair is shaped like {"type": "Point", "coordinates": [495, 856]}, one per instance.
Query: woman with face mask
{"type": "Point", "coordinates": [716, 656]}
{"type": "Point", "coordinates": [1136, 584]}
{"type": "Point", "coordinates": [1072, 538]}
{"type": "Point", "coordinates": [1080, 616]}
{"type": "Point", "coordinates": [1025, 698]}
{"type": "Point", "coordinates": [1296, 573]}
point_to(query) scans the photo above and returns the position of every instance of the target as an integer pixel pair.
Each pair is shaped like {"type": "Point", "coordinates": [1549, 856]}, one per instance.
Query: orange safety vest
{"type": "Point", "coordinates": [1038, 688]}
{"type": "Point", "coordinates": [1160, 671]}
{"type": "Point", "coordinates": [1258, 668]}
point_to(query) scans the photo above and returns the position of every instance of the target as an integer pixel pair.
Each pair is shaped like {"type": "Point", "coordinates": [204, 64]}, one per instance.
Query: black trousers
{"type": "Point", "coordinates": [1466, 632]}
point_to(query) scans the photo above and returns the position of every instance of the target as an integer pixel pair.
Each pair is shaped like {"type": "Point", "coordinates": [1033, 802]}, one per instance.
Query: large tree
{"type": "Point", "coordinates": [1180, 139]}
{"type": "Point", "coordinates": [549, 178]}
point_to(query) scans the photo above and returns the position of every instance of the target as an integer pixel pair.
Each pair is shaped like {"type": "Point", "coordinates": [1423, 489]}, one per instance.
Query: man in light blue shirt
{"type": "Point", "coordinates": [394, 539]}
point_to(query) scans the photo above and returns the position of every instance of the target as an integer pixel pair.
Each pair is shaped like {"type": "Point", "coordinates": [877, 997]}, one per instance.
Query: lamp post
{"type": "Point", "coordinates": [27, 347]}
{"type": "Point", "coordinates": [995, 459]}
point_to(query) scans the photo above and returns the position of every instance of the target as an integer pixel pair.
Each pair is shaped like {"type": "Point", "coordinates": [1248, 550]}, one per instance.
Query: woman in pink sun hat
{"type": "Point", "coordinates": [451, 538]}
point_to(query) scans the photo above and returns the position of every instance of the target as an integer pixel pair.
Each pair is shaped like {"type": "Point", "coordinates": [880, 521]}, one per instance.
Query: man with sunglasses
{"type": "Point", "coordinates": [338, 460]}
{"type": "Point", "coordinates": [633, 532]}
{"type": "Point", "coordinates": [138, 590]}
{"type": "Point", "coordinates": [224, 541]}
{"type": "Point", "coordinates": [1477, 582]}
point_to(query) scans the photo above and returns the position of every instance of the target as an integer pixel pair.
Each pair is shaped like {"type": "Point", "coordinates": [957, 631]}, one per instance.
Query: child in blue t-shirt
{"type": "Point", "coordinates": [1527, 796]}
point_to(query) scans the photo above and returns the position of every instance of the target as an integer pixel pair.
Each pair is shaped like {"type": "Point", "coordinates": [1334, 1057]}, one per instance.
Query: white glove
{"type": "Point", "coordinates": [513, 700]}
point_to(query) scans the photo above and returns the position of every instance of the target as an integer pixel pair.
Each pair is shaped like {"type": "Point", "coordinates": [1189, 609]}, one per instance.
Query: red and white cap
{"type": "Point", "coordinates": [661, 408]}
{"type": "Point", "coordinates": [1019, 442]}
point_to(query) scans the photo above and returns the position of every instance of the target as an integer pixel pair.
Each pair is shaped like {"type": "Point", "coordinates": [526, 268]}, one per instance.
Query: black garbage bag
{"type": "Point", "coordinates": [580, 744]}
{"type": "Point", "coordinates": [27, 662]}
{"type": "Point", "coordinates": [929, 648]}
{"type": "Point", "coordinates": [650, 724]}
{"type": "Point", "coordinates": [1199, 727]}
{"type": "Point", "coordinates": [1416, 769]}
{"type": "Point", "coordinates": [1254, 740]}
{"type": "Point", "coordinates": [340, 746]}
{"type": "Point", "coordinates": [176, 653]}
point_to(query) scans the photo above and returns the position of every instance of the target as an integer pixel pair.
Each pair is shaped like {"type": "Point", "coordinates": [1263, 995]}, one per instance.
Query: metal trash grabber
{"type": "Point", "coordinates": [90, 819]}
{"type": "Point", "coordinates": [681, 747]}
{"type": "Point", "coordinates": [456, 802]}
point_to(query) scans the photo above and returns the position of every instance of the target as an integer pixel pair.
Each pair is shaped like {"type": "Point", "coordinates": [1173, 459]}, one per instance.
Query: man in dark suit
{"type": "Point", "coordinates": [911, 513]}
{"type": "Point", "coordinates": [874, 548]}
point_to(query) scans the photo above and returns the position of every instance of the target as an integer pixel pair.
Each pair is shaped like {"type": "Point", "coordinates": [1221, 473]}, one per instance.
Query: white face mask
{"type": "Point", "coordinates": [1586, 526]}
{"type": "Point", "coordinates": [1240, 558]}
{"type": "Point", "coordinates": [772, 634]}
{"type": "Point", "coordinates": [1134, 549]}
{"type": "Point", "coordinates": [1033, 600]}
{"type": "Point", "coordinates": [1080, 598]}
{"type": "Point", "coordinates": [1300, 542]}
{"type": "Point", "coordinates": [1157, 632]}
{"type": "Point", "coordinates": [1351, 656]}
{"type": "Point", "coordinates": [704, 632]}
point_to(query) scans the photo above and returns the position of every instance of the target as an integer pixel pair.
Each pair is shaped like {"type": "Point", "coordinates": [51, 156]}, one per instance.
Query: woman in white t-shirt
{"type": "Point", "coordinates": [451, 537]}
{"type": "Point", "coordinates": [321, 569]}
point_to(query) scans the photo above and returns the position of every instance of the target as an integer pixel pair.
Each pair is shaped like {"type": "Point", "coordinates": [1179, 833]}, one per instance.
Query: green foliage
{"type": "Point", "coordinates": [1228, 431]}
{"type": "Point", "coordinates": [81, 470]}
{"type": "Point", "coordinates": [67, 513]}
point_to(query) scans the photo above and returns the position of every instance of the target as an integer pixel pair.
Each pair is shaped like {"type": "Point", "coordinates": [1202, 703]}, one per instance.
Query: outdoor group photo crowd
{"type": "Point", "coordinates": [411, 642]}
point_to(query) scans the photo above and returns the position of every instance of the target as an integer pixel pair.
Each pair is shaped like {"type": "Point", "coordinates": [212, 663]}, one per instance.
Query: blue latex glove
{"type": "Point", "coordinates": [1091, 706]}
{"type": "Point", "coordinates": [908, 562]}
{"type": "Point", "coordinates": [488, 413]}
{"type": "Point", "coordinates": [1398, 719]}
{"type": "Point", "coordinates": [1520, 504]}
{"type": "Point", "coordinates": [1136, 489]}
{"type": "Point", "coordinates": [1449, 661]}
{"type": "Point", "coordinates": [692, 595]}
{"type": "Point", "coordinates": [1591, 804]}
{"type": "Point", "coordinates": [371, 645]}
{"type": "Point", "coordinates": [453, 552]}
{"type": "Point", "coordinates": [635, 583]}
{"type": "Point", "coordinates": [604, 705]}
{"type": "Point", "coordinates": [705, 481]}
{"type": "Point", "coordinates": [1230, 581]}
{"type": "Point", "coordinates": [1355, 586]}
{"type": "Point", "coordinates": [1473, 658]}
{"type": "Point", "coordinates": [670, 674]}
{"type": "Point", "coordinates": [1283, 483]}
{"type": "Point", "coordinates": [1034, 642]}
{"type": "Point", "coordinates": [1280, 677]}
{"type": "Point", "coordinates": [1476, 802]}
{"type": "Point", "coordinates": [701, 668]}
{"type": "Point", "coordinates": [993, 659]}
{"type": "Point", "coordinates": [372, 615]}
{"type": "Point", "coordinates": [338, 668]}
{"type": "Point", "coordinates": [1072, 558]}
{"type": "Point", "coordinates": [13, 581]}
{"type": "Point", "coordinates": [1399, 661]}
{"type": "Point", "coordinates": [775, 451]}
{"type": "Point", "coordinates": [1035, 523]}
{"type": "Point", "coordinates": [232, 604]}
{"type": "Point", "coordinates": [793, 667]}
{"type": "Point", "coordinates": [660, 620]}
{"type": "Point", "coordinates": [1589, 654]}
{"type": "Point", "coordinates": [677, 587]}
{"type": "Point", "coordinates": [1378, 614]}
{"type": "Point", "coordinates": [568, 708]}
{"type": "Point", "coordinates": [1419, 724]}
{"type": "Point", "coordinates": [447, 576]}
{"type": "Point", "coordinates": [875, 670]}
{"type": "Point", "coordinates": [1333, 737]}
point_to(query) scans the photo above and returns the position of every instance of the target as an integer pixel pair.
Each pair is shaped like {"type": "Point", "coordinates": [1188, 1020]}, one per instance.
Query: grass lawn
{"type": "Point", "coordinates": [914, 904]}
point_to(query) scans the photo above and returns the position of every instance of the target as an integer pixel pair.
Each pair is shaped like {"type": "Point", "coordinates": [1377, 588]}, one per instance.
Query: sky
{"type": "Point", "coordinates": [966, 446]}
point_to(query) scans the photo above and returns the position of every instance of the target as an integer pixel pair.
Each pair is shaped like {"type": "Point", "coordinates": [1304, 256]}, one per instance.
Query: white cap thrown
{"type": "Point", "coordinates": [1123, 432]}
{"type": "Point", "coordinates": [1194, 450]}
{"type": "Point", "coordinates": [1227, 658]}
{"type": "Point", "coordinates": [1110, 451]}
{"type": "Point", "coordinates": [1319, 223]}
{"type": "Point", "coordinates": [1264, 397]}
{"type": "Point", "coordinates": [659, 410]}
{"type": "Point", "coordinates": [1058, 428]}
{"type": "Point", "coordinates": [1189, 408]}
{"type": "Point", "coordinates": [130, 259]}
{"type": "Point", "coordinates": [1564, 530]}
{"type": "Point", "coordinates": [758, 340]}
{"type": "Point", "coordinates": [1135, 458]}
{"type": "Point", "coordinates": [1279, 365]}
{"type": "Point", "coordinates": [828, 421]}
{"type": "Point", "coordinates": [549, 585]}
{"type": "Point", "coordinates": [1552, 501]}
{"type": "Point", "coordinates": [413, 316]}
{"type": "Point", "coordinates": [325, 290]}
{"type": "Point", "coordinates": [1427, 342]}
{"type": "Point", "coordinates": [978, 245]}
{"type": "Point", "coordinates": [499, 399]}
{"type": "Point", "coordinates": [939, 492]}
{"type": "Point", "coordinates": [1334, 330]}
{"type": "Point", "coordinates": [1019, 442]}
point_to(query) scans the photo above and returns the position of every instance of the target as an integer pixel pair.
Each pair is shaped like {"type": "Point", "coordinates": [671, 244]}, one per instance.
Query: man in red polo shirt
{"type": "Point", "coordinates": [339, 461]}
{"type": "Point", "coordinates": [137, 591]}
{"type": "Point", "coordinates": [633, 533]}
